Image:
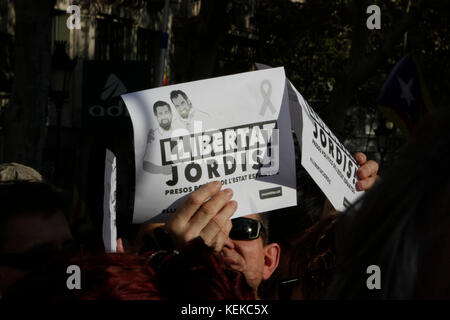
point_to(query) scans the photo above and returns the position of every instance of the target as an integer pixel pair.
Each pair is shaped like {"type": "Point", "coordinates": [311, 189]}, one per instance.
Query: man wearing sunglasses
{"type": "Point", "coordinates": [249, 250]}
{"type": "Point", "coordinates": [243, 242]}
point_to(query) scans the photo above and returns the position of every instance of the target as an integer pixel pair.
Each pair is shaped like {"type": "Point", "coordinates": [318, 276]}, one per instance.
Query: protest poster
{"type": "Point", "coordinates": [109, 203]}
{"type": "Point", "coordinates": [324, 157]}
{"type": "Point", "coordinates": [233, 129]}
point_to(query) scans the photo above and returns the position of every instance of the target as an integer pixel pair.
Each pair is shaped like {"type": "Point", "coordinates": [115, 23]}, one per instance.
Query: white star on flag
{"type": "Point", "coordinates": [406, 90]}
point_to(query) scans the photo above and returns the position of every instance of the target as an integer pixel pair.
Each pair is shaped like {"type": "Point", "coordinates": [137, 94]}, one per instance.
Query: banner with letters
{"type": "Point", "coordinates": [235, 129]}
{"type": "Point", "coordinates": [324, 157]}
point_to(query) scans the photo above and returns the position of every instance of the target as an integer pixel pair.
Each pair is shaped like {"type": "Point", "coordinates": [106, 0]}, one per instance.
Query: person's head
{"type": "Point", "coordinates": [163, 114]}
{"type": "Point", "coordinates": [181, 102]}
{"type": "Point", "coordinates": [32, 228]}
{"type": "Point", "coordinates": [249, 250]}
{"type": "Point", "coordinates": [16, 172]}
{"type": "Point", "coordinates": [110, 276]}
{"type": "Point", "coordinates": [402, 226]}
{"type": "Point", "coordinates": [196, 273]}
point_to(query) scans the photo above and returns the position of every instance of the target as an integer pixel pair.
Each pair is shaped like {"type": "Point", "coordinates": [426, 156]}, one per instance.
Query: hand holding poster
{"type": "Point", "coordinates": [232, 129]}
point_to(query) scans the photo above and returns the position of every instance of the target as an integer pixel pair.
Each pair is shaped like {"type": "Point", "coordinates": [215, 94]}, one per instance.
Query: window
{"type": "Point", "coordinates": [60, 32]}
{"type": "Point", "coordinates": [111, 38]}
{"type": "Point", "coordinates": [148, 44]}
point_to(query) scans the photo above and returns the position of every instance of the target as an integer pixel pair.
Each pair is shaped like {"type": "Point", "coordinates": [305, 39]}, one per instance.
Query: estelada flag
{"type": "Point", "coordinates": [165, 77]}
{"type": "Point", "coordinates": [404, 98]}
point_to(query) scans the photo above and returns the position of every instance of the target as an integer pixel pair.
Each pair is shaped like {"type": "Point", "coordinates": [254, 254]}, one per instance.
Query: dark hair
{"type": "Point", "coordinates": [199, 273]}
{"type": "Point", "coordinates": [402, 225]}
{"type": "Point", "coordinates": [27, 197]}
{"type": "Point", "coordinates": [265, 220]}
{"type": "Point", "coordinates": [312, 258]}
{"type": "Point", "coordinates": [177, 93]}
{"type": "Point", "coordinates": [308, 258]}
{"type": "Point", "coordinates": [159, 104]}
{"type": "Point", "coordinates": [196, 273]}
{"type": "Point", "coordinates": [103, 276]}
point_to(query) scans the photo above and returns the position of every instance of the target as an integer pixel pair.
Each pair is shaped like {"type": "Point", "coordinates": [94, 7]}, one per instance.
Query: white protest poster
{"type": "Point", "coordinates": [109, 204]}
{"type": "Point", "coordinates": [295, 109]}
{"type": "Point", "coordinates": [232, 129]}
{"type": "Point", "coordinates": [326, 159]}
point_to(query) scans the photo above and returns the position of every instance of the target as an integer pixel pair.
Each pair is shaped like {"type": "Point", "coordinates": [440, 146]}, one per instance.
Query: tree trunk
{"type": "Point", "coordinates": [25, 129]}
{"type": "Point", "coordinates": [198, 41]}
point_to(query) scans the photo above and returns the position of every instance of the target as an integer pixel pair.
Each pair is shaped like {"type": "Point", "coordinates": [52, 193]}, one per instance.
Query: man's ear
{"type": "Point", "coordinates": [271, 259]}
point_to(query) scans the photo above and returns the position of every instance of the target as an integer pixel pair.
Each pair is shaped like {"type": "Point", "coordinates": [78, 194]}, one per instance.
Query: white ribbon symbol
{"type": "Point", "coordinates": [266, 95]}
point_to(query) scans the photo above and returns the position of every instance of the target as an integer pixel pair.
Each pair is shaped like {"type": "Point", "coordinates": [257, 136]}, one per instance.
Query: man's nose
{"type": "Point", "coordinates": [229, 244]}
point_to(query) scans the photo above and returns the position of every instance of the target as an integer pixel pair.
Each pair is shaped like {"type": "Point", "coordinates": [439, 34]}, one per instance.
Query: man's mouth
{"type": "Point", "coordinates": [165, 125]}
{"type": "Point", "coordinates": [233, 264]}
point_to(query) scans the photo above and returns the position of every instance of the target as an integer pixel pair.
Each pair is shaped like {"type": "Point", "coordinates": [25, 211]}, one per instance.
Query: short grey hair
{"type": "Point", "coordinates": [265, 222]}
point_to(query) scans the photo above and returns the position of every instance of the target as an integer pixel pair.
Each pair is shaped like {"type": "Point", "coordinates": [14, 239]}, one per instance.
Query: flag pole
{"type": "Point", "coordinates": [405, 36]}
{"type": "Point", "coordinates": [164, 41]}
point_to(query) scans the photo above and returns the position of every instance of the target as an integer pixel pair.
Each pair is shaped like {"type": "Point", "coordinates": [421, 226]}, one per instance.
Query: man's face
{"type": "Point", "coordinates": [183, 107]}
{"type": "Point", "coordinates": [164, 116]}
{"type": "Point", "coordinates": [36, 233]}
{"type": "Point", "coordinates": [248, 257]}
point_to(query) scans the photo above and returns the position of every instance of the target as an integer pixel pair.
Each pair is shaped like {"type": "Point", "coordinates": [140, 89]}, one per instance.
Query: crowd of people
{"type": "Point", "coordinates": [309, 251]}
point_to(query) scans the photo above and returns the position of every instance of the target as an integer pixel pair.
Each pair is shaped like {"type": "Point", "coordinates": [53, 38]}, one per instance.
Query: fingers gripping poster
{"type": "Point", "coordinates": [235, 129]}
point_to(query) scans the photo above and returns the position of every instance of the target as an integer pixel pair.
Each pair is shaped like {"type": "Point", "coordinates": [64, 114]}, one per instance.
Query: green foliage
{"type": "Point", "coordinates": [313, 41]}
{"type": "Point", "coordinates": [310, 40]}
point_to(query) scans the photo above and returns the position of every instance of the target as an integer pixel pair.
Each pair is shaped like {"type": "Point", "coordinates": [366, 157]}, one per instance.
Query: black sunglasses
{"type": "Point", "coordinates": [246, 229]}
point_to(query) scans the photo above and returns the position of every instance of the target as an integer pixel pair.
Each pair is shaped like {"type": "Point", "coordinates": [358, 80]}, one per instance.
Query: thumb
{"type": "Point", "coordinates": [120, 246]}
